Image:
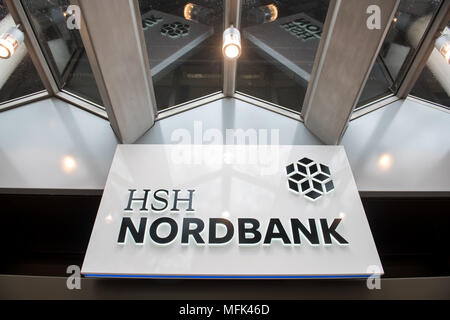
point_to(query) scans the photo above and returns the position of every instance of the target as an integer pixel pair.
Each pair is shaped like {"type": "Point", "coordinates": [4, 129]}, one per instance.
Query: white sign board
{"type": "Point", "coordinates": [173, 211]}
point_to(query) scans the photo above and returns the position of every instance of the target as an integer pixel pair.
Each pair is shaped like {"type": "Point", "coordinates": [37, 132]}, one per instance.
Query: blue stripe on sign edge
{"type": "Point", "coordinates": [93, 275]}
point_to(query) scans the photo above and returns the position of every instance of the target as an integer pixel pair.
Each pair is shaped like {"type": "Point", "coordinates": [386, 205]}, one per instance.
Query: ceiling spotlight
{"type": "Point", "coordinates": [270, 12]}
{"type": "Point", "coordinates": [263, 14]}
{"type": "Point", "coordinates": [10, 41]}
{"type": "Point", "coordinates": [231, 48]}
{"type": "Point", "coordinates": [443, 46]}
{"type": "Point", "coordinates": [188, 10]}
{"type": "Point", "coordinates": [197, 13]}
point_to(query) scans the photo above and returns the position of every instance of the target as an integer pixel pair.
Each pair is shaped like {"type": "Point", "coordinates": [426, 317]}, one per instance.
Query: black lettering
{"type": "Point", "coordinates": [127, 224]}
{"type": "Point", "coordinates": [176, 200]}
{"type": "Point", "coordinates": [172, 234]}
{"type": "Point", "coordinates": [131, 199]}
{"type": "Point", "coordinates": [253, 230]}
{"type": "Point", "coordinates": [213, 239]}
{"type": "Point", "coordinates": [161, 200]}
{"type": "Point", "coordinates": [200, 225]}
{"type": "Point", "coordinates": [311, 234]}
{"type": "Point", "coordinates": [271, 234]}
{"type": "Point", "coordinates": [329, 232]}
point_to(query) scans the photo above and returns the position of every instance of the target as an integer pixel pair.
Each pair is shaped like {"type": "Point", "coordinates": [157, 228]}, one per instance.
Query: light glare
{"type": "Point", "coordinates": [4, 53]}
{"type": "Point", "coordinates": [231, 51]}
{"type": "Point", "coordinates": [10, 41]}
{"type": "Point", "coordinates": [188, 11]}
{"type": "Point", "coordinates": [443, 46]}
{"type": "Point", "coordinates": [273, 12]}
{"type": "Point", "coordinates": [385, 161]}
{"type": "Point", "coordinates": [108, 219]}
{"type": "Point", "coordinates": [445, 51]}
{"type": "Point", "coordinates": [231, 47]}
{"type": "Point", "coordinates": [8, 45]}
{"type": "Point", "coordinates": [69, 164]}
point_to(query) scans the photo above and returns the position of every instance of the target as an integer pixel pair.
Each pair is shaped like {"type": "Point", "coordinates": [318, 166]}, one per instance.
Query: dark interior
{"type": "Point", "coordinates": [43, 234]}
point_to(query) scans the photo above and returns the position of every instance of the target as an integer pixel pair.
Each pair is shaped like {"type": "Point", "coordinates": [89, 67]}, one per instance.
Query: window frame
{"type": "Point", "coordinates": [232, 14]}
{"type": "Point", "coordinates": [413, 66]}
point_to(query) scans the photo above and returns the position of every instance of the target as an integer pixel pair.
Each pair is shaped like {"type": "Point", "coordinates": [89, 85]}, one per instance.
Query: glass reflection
{"type": "Point", "coordinates": [410, 25]}
{"type": "Point", "coordinates": [434, 82]}
{"type": "Point", "coordinates": [69, 164]}
{"type": "Point", "coordinates": [385, 162]}
{"type": "Point", "coordinates": [184, 47]}
{"type": "Point", "coordinates": [18, 76]}
{"type": "Point", "coordinates": [62, 47]}
{"type": "Point", "coordinates": [279, 44]}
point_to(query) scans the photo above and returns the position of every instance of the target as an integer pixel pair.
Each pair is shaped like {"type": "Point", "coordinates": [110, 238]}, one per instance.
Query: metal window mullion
{"type": "Point", "coordinates": [339, 76]}
{"type": "Point", "coordinates": [37, 56]}
{"type": "Point", "coordinates": [232, 16]}
{"type": "Point", "coordinates": [14, 103]}
{"type": "Point", "coordinates": [115, 45]}
{"type": "Point", "coordinates": [82, 103]}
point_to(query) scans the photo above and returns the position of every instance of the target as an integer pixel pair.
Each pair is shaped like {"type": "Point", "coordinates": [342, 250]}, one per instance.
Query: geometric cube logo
{"type": "Point", "coordinates": [309, 178]}
{"type": "Point", "coordinates": [175, 30]}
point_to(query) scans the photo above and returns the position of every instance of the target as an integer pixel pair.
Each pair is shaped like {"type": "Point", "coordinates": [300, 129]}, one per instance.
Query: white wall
{"type": "Point", "coordinates": [404, 147]}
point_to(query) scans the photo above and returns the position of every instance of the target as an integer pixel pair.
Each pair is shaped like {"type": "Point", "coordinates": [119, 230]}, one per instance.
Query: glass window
{"type": "Point", "coordinates": [62, 47]}
{"type": "Point", "coordinates": [279, 44]}
{"type": "Point", "coordinates": [434, 82]}
{"type": "Point", "coordinates": [410, 25]}
{"type": "Point", "coordinates": [184, 47]}
{"type": "Point", "coordinates": [18, 76]}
